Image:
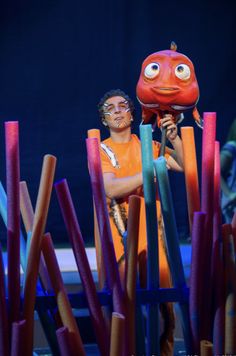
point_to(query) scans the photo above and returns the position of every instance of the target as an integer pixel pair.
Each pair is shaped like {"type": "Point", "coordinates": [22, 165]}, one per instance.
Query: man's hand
{"type": "Point", "coordinates": [168, 122]}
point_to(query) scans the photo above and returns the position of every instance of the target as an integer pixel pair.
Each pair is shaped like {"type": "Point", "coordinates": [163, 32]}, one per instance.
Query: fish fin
{"type": "Point", "coordinates": [173, 46]}
{"type": "Point", "coordinates": [198, 119]}
{"type": "Point", "coordinates": [146, 116]}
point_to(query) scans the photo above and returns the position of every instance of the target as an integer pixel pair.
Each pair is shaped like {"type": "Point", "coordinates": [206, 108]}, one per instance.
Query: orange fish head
{"type": "Point", "coordinates": [167, 82]}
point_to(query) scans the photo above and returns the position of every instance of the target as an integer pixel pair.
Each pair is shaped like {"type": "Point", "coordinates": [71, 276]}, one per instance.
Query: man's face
{"type": "Point", "coordinates": [117, 113]}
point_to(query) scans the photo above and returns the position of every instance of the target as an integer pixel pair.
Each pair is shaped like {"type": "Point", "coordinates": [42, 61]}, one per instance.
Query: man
{"type": "Point", "coordinates": [122, 174]}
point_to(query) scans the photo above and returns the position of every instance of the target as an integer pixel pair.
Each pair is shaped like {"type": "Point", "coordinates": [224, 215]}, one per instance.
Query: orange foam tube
{"type": "Point", "coordinates": [190, 172]}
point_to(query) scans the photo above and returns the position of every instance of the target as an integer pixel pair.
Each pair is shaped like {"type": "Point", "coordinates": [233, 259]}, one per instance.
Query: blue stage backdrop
{"type": "Point", "coordinates": [58, 57]}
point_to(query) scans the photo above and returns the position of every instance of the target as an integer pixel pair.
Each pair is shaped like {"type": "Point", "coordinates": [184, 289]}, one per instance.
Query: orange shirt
{"type": "Point", "coordinates": [124, 159]}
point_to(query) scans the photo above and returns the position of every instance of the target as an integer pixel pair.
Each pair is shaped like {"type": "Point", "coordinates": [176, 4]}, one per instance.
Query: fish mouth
{"type": "Point", "coordinates": [147, 105]}
{"type": "Point", "coordinates": [165, 90]}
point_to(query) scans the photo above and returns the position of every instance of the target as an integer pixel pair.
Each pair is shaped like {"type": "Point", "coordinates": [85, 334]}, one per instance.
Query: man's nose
{"type": "Point", "coordinates": [117, 108]}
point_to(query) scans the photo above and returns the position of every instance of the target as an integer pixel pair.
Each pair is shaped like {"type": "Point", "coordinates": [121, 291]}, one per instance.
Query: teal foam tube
{"type": "Point", "coordinates": [3, 212]}
{"type": "Point", "coordinates": [172, 241]}
{"type": "Point", "coordinates": [152, 237]}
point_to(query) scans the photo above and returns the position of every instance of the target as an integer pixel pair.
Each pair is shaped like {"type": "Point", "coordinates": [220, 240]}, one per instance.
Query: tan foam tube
{"type": "Point", "coordinates": [40, 218]}
{"type": "Point", "coordinates": [206, 348]}
{"type": "Point", "coordinates": [27, 214]}
{"type": "Point", "coordinates": [117, 334]}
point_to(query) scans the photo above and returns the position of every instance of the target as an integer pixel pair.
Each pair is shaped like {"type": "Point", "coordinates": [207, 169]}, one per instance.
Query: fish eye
{"type": "Point", "coordinates": [152, 70]}
{"type": "Point", "coordinates": [182, 71]}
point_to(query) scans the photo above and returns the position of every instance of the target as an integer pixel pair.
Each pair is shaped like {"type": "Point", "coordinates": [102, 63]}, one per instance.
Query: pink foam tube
{"type": "Point", "coordinates": [217, 264]}
{"type": "Point", "coordinates": [196, 293]}
{"type": "Point", "coordinates": [208, 155]}
{"type": "Point", "coordinates": [96, 177]}
{"type": "Point", "coordinates": [19, 339]}
{"type": "Point", "coordinates": [131, 272]}
{"type": "Point", "coordinates": [207, 206]}
{"type": "Point", "coordinates": [76, 239]}
{"type": "Point", "coordinates": [13, 217]}
{"type": "Point", "coordinates": [63, 338]}
{"type": "Point", "coordinates": [4, 336]}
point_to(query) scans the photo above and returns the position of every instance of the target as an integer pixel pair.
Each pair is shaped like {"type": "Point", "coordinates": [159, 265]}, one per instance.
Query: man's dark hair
{"type": "Point", "coordinates": [110, 94]}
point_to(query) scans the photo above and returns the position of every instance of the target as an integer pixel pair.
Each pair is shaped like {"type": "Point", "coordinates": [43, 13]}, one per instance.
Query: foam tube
{"type": "Point", "coordinates": [62, 299]}
{"type": "Point", "coordinates": [152, 236]}
{"type": "Point", "coordinates": [233, 223]}
{"type": "Point", "coordinates": [96, 177]}
{"type": "Point", "coordinates": [217, 267]}
{"type": "Point", "coordinates": [19, 339]}
{"type": "Point", "coordinates": [76, 239]}
{"type": "Point", "coordinates": [26, 208]}
{"type": "Point", "coordinates": [13, 218]}
{"type": "Point", "coordinates": [41, 211]}
{"type": "Point", "coordinates": [28, 218]}
{"type": "Point", "coordinates": [4, 334]}
{"type": "Point", "coordinates": [196, 293]}
{"type": "Point", "coordinates": [3, 212]}
{"type": "Point", "coordinates": [63, 338]}
{"type": "Point", "coordinates": [190, 172]}
{"type": "Point", "coordinates": [206, 348]}
{"type": "Point", "coordinates": [208, 155]}
{"type": "Point", "coordinates": [117, 334]}
{"type": "Point", "coordinates": [131, 271]}
{"type": "Point", "coordinates": [207, 206]}
{"type": "Point", "coordinates": [95, 133]}
{"type": "Point", "coordinates": [230, 282]}
{"type": "Point", "coordinates": [172, 240]}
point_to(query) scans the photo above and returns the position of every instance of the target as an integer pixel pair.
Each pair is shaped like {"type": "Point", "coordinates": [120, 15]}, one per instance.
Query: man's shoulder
{"type": "Point", "coordinates": [106, 141]}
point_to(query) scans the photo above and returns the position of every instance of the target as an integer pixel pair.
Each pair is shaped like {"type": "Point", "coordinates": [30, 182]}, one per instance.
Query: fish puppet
{"type": "Point", "coordinates": [167, 84]}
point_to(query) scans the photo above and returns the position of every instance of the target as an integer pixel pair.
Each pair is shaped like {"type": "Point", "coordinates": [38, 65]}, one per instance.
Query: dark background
{"type": "Point", "coordinates": [57, 58]}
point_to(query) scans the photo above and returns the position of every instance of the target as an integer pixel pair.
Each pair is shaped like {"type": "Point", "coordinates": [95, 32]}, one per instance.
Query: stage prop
{"type": "Point", "coordinates": [167, 85]}
{"type": "Point", "coordinates": [13, 218]}
{"type": "Point", "coordinates": [153, 346]}
{"type": "Point", "coordinates": [190, 172]}
{"type": "Point", "coordinates": [213, 273]}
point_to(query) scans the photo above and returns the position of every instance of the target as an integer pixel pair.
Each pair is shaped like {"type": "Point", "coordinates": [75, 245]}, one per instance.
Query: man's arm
{"type": "Point", "coordinates": [176, 160]}
{"type": "Point", "coordinates": [121, 187]}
